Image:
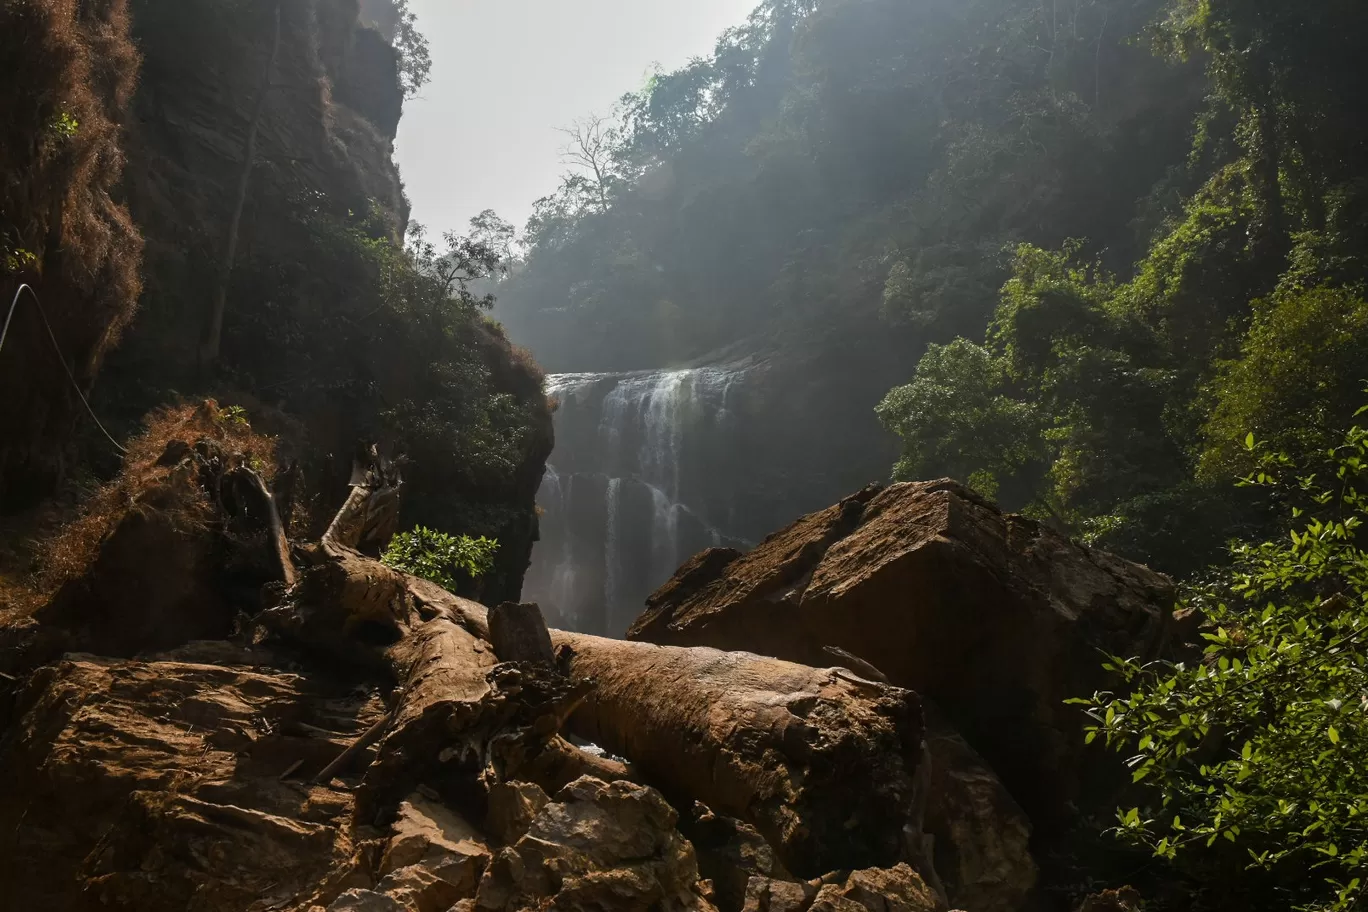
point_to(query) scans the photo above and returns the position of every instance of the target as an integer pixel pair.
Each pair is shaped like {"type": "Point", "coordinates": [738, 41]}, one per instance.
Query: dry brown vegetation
{"type": "Point", "coordinates": [69, 551]}
{"type": "Point", "coordinates": [71, 70]}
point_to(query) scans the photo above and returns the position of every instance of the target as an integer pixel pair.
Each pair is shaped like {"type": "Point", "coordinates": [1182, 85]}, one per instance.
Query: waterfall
{"type": "Point", "coordinates": [623, 500]}
{"type": "Point", "coordinates": [611, 555]}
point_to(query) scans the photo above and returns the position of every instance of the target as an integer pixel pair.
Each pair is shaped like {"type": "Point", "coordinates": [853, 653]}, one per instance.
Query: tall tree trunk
{"type": "Point", "coordinates": [213, 336]}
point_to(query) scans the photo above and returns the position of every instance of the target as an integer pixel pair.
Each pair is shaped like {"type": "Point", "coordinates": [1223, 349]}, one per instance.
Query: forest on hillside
{"type": "Point", "coordinates": [1111, 237]}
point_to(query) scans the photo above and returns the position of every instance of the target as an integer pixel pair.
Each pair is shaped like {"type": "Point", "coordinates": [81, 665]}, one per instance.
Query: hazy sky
{"type": "Point", "coordinates": [507, 73]}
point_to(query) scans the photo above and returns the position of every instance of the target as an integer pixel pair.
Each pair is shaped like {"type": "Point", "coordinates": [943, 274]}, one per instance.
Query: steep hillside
{"type": "Point", "coordinates": [836, 188]}
{"type": "Point", "coordinates": [70, 72]}
{"type": "Point", "coordinates": [266, 129]}
{"type": "Point", "coordinates": [1139, 223]}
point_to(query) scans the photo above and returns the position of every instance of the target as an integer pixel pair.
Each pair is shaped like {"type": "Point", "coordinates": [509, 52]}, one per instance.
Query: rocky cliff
{"type": "Point", "coordinates": [70, 73]}
{"type": "Point", "coordinates": [327, 326]}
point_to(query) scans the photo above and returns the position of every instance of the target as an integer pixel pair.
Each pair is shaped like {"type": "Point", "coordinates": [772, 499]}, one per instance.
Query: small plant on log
{"type": "Point", "coordinates": [1258, 748]}
{"type": "Point", "coordinates": [441, 558]}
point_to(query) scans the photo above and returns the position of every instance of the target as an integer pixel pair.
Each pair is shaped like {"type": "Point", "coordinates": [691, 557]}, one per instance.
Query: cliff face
{"type": "Point", "coordinates": [327, 132]}
{"type": "Point", "coordinates": [317, 325]}
{"type": "Point", "coordinates": [70, 70]}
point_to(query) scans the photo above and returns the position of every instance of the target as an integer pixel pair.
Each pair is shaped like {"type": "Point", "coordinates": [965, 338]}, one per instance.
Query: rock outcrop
{"type": "Point", "coordinates": [309, 327]}
{"type": "Point", "coordinates": [70, 73]}
{"type": "Point", "coordinates": [598, 846]}
{"type": "Point", "coordinates": [151, 784]}
{"type": "Point", "coordinates": [996, 618]}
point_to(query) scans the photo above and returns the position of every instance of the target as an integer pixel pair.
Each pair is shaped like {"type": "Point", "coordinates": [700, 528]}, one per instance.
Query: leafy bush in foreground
{"type": "Point", "coordinates": [1258, 751]}
{"type": "Point", "coordinates": [441, 558]}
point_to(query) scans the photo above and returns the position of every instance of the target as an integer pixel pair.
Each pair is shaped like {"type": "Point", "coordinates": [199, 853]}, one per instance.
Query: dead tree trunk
{"type": "Point", "coordinates": [821, 762]}
{"type": "Point", "coordinates": [456, 706]}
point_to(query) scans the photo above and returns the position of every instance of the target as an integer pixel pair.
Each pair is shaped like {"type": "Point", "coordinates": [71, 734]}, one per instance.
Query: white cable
{"type": "Point", "coordinates": [58, 349]}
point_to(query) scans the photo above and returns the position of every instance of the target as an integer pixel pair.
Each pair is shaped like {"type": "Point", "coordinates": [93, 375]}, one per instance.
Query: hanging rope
{"type": "Point", "coordinates": [42, 314]}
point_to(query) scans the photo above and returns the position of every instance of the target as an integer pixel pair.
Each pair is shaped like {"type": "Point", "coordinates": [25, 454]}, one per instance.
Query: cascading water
{"type": "Point", "coordinates": [622, 503]}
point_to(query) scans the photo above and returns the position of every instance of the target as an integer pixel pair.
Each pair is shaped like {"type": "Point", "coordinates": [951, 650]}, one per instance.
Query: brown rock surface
{"type": "Point", "coordinates": [146, 785]}
{"type": "Point", "coordinates": [896, 889]}
{"type": "Point", "coordinates": [427, 833]}
{"type": "Point", "coordinates": [512, 808]}
{"type": "Point", "coordinates": [597, 846]}
{"type": "Point", "coordinates": [733, 855]}
{"type": "Point", "coordinates": [980, 836]}
{"type": "Point", "coordinates": [995, 617]}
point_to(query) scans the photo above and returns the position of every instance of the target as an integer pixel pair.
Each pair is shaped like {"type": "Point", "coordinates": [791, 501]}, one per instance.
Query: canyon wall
{"type": "Point", "coordinates": [70, 73]}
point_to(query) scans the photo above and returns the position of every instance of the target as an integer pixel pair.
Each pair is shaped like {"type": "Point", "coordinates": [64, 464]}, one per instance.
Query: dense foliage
{"type": "Point", "coordinates": [850, 172]}
{"type": "Point", "coordinates": [1256, 747]}
{"type": "Point", "coordinates": [835, 163]}
{"type": "Point", "coordinates": [1128, 396]}
{"type": "Point", "coordinates": [447, 560]}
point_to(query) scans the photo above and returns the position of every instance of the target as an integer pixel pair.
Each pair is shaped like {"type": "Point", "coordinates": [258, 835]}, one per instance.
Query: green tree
{"type": "Point", "coordinates": [1255, 749]}
{"type": "Point", "coordinates": [955, 420]}
{"type": "Point", "coordinates": [1300, 373]}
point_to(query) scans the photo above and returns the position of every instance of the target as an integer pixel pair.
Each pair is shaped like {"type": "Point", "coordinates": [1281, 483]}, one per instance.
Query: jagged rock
{"type": "Point", "coordinates": [981, 837]}
{"type": "Point", "coordinates": [366, 901]}
{"type": "Point", "coordinates": [1125, 899]}
{"type": "Point", "coordinates": [764, 894]}
{"type": "Point", "coordinates": [732, 855]}
{"type": "Point", "coordinates": [434, 837]}
{"type": "Point", "coordinates": [146, 784]}
{"type": "Point", "coordinates": [597, 846]}
{"type": "Point", "coordinates": [995, 617]}
{"type": "Point", "coordinates": [512, 807]}
{"type": "Point", "coordinates": [896, 889]}
{"type": "Point", "coordinates": [433, 887]}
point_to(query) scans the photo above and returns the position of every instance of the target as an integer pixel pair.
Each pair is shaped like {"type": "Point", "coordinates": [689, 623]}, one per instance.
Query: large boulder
{"type": "Point", "coordinates": [980, 837]}
{"type": "Point", "coordinates": [175, 783]}
{"type": "Point", "coordinates": [598, 846]}
{"type": "Point", "coordinates": [997, 618]}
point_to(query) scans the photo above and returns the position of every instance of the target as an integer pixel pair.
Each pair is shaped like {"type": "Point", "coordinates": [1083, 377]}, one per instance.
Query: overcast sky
{"type": "Point", "coordinates": [507, 73]}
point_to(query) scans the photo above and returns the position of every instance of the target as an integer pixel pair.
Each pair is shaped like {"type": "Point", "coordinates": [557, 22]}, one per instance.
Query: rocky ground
{"type": "Point", "coordinates": [864, 713]}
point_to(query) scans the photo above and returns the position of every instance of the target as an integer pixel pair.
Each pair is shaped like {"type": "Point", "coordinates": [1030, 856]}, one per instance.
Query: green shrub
{"type": "Point", "coordinates": [441, 558]}
{"type": "Point", "coordinates": [1296, 382]}
{"type": "Point", "coordinates": [1257, 751]}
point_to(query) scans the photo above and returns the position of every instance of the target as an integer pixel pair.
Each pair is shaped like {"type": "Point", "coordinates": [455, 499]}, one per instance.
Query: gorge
{"type": "Point", "coordinates": [915, 444]}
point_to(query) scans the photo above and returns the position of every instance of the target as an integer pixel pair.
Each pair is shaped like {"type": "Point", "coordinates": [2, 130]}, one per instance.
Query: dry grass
{"type": "Point", "coordinates": [72, 61]}
{"type": "Point", "coordinates": [70, 69]}
{"type": "Point", "coordinates": [69, 551]}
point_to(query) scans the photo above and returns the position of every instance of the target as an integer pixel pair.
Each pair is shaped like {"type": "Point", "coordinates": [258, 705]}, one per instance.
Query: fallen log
{"type": "Point", "coordinates": [456, 706]}
{"type": "Point", "coordinates": [822, 764]}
